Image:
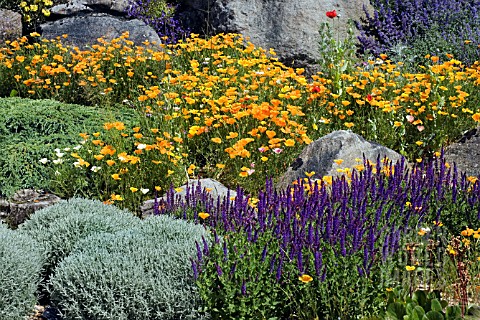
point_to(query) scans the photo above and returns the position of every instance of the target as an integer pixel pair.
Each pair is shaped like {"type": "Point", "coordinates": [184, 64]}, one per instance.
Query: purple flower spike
{"type": "Point", "coordinates": [225, 251]}
{"type": "Point", "coordinates": [318, 262]}
{"type": "Point", "coordinates": [264, 253]}
{"type": "Point", "coordinates": [199, 252]}
{"type": "Point", "coordinates": [233, 269]}
{"type": "Point", "coordinates": [195, 269]}
{"type": "Point", "coordinates": [219, 270]}
{"type": "Point", "coordinates": [300, 261]}
{"type": "Point", "coordinates": [244, 288]}
{"type": "Point", "coordinates": [279, 270]}
{"type": "Point", "coordinates": [206, 250]}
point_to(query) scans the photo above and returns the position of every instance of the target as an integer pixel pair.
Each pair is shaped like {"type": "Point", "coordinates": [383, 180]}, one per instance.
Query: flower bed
{"type": "Point", "coordinates": [375, 242]}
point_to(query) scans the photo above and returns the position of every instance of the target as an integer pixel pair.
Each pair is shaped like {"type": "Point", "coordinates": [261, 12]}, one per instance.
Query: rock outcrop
{"type": "Point", "coordinates": [84, 21]}
{"type": "Point", "coordinates": [10, 25]}
{"type": "Point", "coordinates": [86, 29]}
{"type": "Point", "coordinates": [289, 27]}
{"type": "Point", "coordinates": [346, 147]}
{"type": "Point", "coordinates": [23, 203]}
{"type": "Point", "coordinates": [466, 153]}
{"type": "Point", "coordinates": [114, 7]}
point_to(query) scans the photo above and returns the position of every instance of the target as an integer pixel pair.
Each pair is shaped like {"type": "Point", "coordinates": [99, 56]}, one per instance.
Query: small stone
{"type": "Point", "coordinates": [215, 188]}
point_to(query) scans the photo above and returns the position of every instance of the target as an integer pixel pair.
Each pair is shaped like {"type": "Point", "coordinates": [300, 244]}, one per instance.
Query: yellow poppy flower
{"type": "Point", "coordinates": [305, 278]}
{"type": "Point", "coordinates": [289, 142]}
{"type": "Point", "coordinates": [204, 215]}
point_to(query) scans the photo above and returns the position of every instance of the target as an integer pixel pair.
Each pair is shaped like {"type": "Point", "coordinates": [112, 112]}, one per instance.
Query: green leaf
{"type": "Point", "coordinates": [444, 304]}
{"type": "Point", "coordinates": [396, 310]}
{"type": "Point", "coordinates": [414, 312]}
{"type": "Point", "coordinates": [436, 306]}
{"type": "Point", "coordinates": [412, 316]}
{"type": "Point", "coordinates": [453, 312]}
{"type": "Point", "coordinates": [474, 311]}
{"type": "Point", "coordinates": [13, 93]}
{"type": "Point", "coordinates": [409, 308]}
{"type": "Point", "coordinates": [420, 297]}
{"type": "Point", "coordinates": [419, 311]}
{"type": "Point", "coordinates": [433, 315]}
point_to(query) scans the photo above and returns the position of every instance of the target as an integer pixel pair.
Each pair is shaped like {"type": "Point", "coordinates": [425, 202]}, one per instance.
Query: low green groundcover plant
{"type": "Point", "coordinates": [31, 129]}
{"type": "Point", "coordinates": [21, 261]}
{"type": "Point", "coordinates": [140, 273]}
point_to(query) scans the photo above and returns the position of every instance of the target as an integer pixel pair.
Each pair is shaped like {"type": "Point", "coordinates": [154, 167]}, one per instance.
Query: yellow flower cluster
{"type": "Point", "coordinates": [241, 105]}
{"type": "Point", "coordinates": [127, 169]}
{"type": "Point", "coordinates": [31, 9]}
{"type": "Point", "coordinates": [471, 232]}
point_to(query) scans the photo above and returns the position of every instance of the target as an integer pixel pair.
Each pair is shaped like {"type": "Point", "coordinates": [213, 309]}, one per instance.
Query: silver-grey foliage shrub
{"type": "Point", "coordinates": [60, 226]}
{"type": "Point", "coordinates": [21, 260]}
{"type": "Point", "coordinates": [141, 273]}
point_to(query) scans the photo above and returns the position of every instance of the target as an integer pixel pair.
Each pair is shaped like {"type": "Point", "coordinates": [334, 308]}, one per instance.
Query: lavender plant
{"type": "Point", "coordinates": [423, 27]}
{"type": "Point", "coordinates": [329, 250]}
{"type": "Point", "coordinates": [160, 15]}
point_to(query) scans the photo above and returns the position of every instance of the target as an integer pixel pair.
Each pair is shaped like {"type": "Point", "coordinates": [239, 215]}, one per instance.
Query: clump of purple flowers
{"type": "Point", "coordinates": [431, 26]}
{"type": "Point", "coordinates": [342, 235]}
{"type": "Point", "coordinates": [165, 23]}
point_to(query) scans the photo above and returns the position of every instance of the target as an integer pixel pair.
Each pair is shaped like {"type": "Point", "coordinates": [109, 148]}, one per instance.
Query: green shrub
{"type": "Point", "coordinates": [61, 226]}
{"type": "Point", "coordinates": [31, 129]}
{"type": "Point", "coordinates": [21, 260]}
{"type": "Point", "coordinates": [9, 4]}
{"type": "Point", "coordinates": [141, 273]}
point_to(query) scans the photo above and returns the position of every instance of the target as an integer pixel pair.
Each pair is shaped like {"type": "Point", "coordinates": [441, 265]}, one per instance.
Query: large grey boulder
{"type": "Point", "coordinates": [71, 7]}
{"type": "Point", "coordinates": [290, 27]}
{"type": "Point", "coordinates": [84, 30]}
{"type": "Point", "coordinates": [10, 25]}
{"type": "Point", "coordinates": [215, 189]}
{"type": "Point", "coordinates": [344, 145]}
{"type": "Point", "coordinates": [466, 153]}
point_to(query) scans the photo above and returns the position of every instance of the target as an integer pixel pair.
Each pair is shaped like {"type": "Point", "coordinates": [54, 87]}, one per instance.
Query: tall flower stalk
{"type": "Point", "coordinates": [337, 56]}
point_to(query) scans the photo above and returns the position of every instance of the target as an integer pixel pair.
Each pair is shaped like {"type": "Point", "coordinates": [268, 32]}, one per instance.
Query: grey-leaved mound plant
{"type": "Point", "coordinates": [141, 273]}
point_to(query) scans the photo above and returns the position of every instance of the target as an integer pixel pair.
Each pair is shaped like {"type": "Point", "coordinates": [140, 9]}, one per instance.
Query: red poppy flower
{"type": "Point", "coordinates": [369, 97]}
{"type": "Point", "coordinates": [332, 14]}
{"type": "Point", "coordinates": [316, 89]}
